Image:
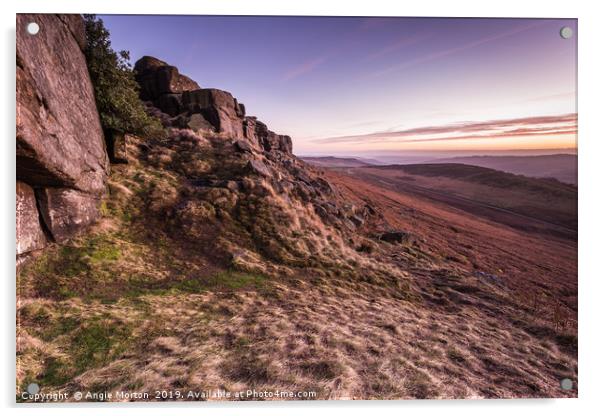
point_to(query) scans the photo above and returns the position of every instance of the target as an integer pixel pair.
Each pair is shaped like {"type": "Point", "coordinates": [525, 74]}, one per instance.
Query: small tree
{"type": "Point", "coordinates": [115, 88]}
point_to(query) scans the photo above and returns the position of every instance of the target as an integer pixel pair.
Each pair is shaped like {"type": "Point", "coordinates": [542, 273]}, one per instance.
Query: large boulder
{"type": "Point", "coordinates": [256, 131]}
{"type": "Point", "coordinates": [272, 141]}
{"type": "Point", "coordinates": [185, 101]}
{"type": "Point", "coordinates": [66, 211]}
{"type": "Point", "coordinates": [157, 78]}
{"type": "Point", "coordinates": [59, 139]}
{"type": "Point", "coordinates": [218, 107]}
{"type": "Point", "coordinates": [257, 167]}
{"type": "Point", "coordinates": [249, 127]}
{"type": "Point", "coordinates": [170, 104]}
{"type": "Point", "coordinates": [30, 236]}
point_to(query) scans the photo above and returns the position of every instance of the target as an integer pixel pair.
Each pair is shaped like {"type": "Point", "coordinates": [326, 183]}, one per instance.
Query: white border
{"type": "Point", "coordinates": [590, 200]}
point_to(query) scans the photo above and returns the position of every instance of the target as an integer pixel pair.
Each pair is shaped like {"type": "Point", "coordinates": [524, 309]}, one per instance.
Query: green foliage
{"type": "Point", "coordinates": [91, 345]}
{"type": "Point", "coordinates": [79, 269]}
{"type": "Point", "coordinates": [95, 344]}
{"type": "Point", "coordinates": [115, 88]}
{"type": "Point", "coordinates": [225, 280]}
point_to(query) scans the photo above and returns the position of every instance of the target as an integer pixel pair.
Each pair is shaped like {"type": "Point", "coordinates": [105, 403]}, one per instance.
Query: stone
{"type": "Point", "coordinates": [258, 167]}
{"type": "Point", "coordinates": [323, 185]}
{"type": "Point", "coordinates": [157, 78]}
{"type": "Point", "coordinates": [66, 212]}
{"type": "Point", "coordinates": [243, 146]}
{"type": "Point", "coordinates": [197, 122]}
{"type": "Point", "coordinates": [358, 221]}
{"type": "Point", "coordinates": [75, 24]}
{"type": "Point", "coordinates": [185, 103]}
{"type": "Point", "coordinates": [400, 237]}
{"type": "Point", "coordinates": [59, 138]}
{"type": "Point", "coordinates": [30, 235]}
{"type": "Point", "coordinates": [261, 129]}
{"type": "Point", "coordinates": [286, 144]}
{"type": "Point", "coordinates": [249, 124]}
{"type": "Point", "coordinates": [218, 107]}
{"type": "Point", "coordinates": [181, 121]}
{"type": "Point", "coordinates": [60, 145]}
{"type": "Point", "coordinates": [240, 110]}
{"type": "Point", "coordinates": [321, 211]}
{"type": "Point", "coordinates": [271, 141]}
{"type": "Point", "coordinates": [170, 104]}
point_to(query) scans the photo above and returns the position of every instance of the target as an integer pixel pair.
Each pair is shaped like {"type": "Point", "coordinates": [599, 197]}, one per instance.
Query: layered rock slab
{"type": "Point", "coordinates": [59, 139]}
{"type": "Point", "coordinates": [157, 78]}
{"type": "Point", "coordinates": [182, 103]}
{"type": "Point", "coordinates": [59, 136]}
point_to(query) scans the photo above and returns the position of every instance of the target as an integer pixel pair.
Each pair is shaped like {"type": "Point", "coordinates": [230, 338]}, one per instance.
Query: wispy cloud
{"type": "Point", "coordinates": [451, 51]}
{"type": "Point", "coordinates": [527, 126]}
{"type": "Point", "coordinates": [524, 133]}
{"type": "Point", "coordinates": [304, 68]}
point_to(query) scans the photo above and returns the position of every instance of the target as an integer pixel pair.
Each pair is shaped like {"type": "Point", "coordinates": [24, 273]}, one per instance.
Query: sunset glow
{"type": "Point", "coordinates": [354, 85]}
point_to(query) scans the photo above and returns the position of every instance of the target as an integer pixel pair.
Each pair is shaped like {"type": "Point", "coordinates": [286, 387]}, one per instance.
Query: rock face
{"type": "Point", "coordinates": [66, 211]}
{"type": "Point", "coordinates": [180, 102]}
{"type": "Point", "coordinates": [218, 107]}
{"type": "Point", "coordinates": [156, 79]}
{"type": "Point", "coordinates": [60, 144]}
{"type": "Point", "coordinates": [235, 169]}
{"type": "Point", "coordinates": [29, 230]}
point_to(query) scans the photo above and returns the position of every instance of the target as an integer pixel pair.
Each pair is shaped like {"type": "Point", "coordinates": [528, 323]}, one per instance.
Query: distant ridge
{"type": "Point", "coordinates": [336, 162]}
{"type": "Point", "coordinates": [562, 167]}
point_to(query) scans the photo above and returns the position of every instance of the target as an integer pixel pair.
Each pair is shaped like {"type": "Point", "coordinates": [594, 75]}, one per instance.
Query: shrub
{"type": "Point", "coordinates": [115, 88]}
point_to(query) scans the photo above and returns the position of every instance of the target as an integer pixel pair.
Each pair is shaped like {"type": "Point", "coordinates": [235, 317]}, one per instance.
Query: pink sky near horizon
{"type": "Point", "coordinates": [356, 85]}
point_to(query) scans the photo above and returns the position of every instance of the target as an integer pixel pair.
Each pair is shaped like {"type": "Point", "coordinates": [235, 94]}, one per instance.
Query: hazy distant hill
{"type": "Point", "coordinates": [486, 192]}
{"type": "Point", "coordinates": [560, 166]}
{"type": "Point", "coordinates": [335, 162]}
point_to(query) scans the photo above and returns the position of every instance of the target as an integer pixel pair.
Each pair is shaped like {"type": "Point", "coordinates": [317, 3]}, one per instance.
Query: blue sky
{"type": "Point", "coordinates": [322, 80]}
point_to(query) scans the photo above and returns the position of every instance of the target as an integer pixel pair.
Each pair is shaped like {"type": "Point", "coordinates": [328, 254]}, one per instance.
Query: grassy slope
{"type": "Point", "coordinates": [138, 304]}
{"type": "Point", "coordinates": [545, 199]}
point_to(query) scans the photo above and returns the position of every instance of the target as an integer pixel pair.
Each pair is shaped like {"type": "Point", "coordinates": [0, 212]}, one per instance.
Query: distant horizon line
{"type": "Point", "coordinates": [472, 152]}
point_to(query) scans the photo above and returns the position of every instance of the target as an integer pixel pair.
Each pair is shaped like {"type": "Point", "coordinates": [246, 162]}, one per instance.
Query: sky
{"type": "Point", "coordinates": [342, 85]}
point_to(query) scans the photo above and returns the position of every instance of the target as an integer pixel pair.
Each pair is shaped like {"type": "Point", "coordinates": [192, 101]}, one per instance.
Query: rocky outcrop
{"type": "Point", "coordinates": [180, 102]}
{"type": "Point", "coordinates": [237, 174]}
{"type": "Point", "coordinates": [218, 107]}
{"type": "Point", "coordinates": [156, 79]}
{"type": "Point", "coordinates": [60, 144]}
